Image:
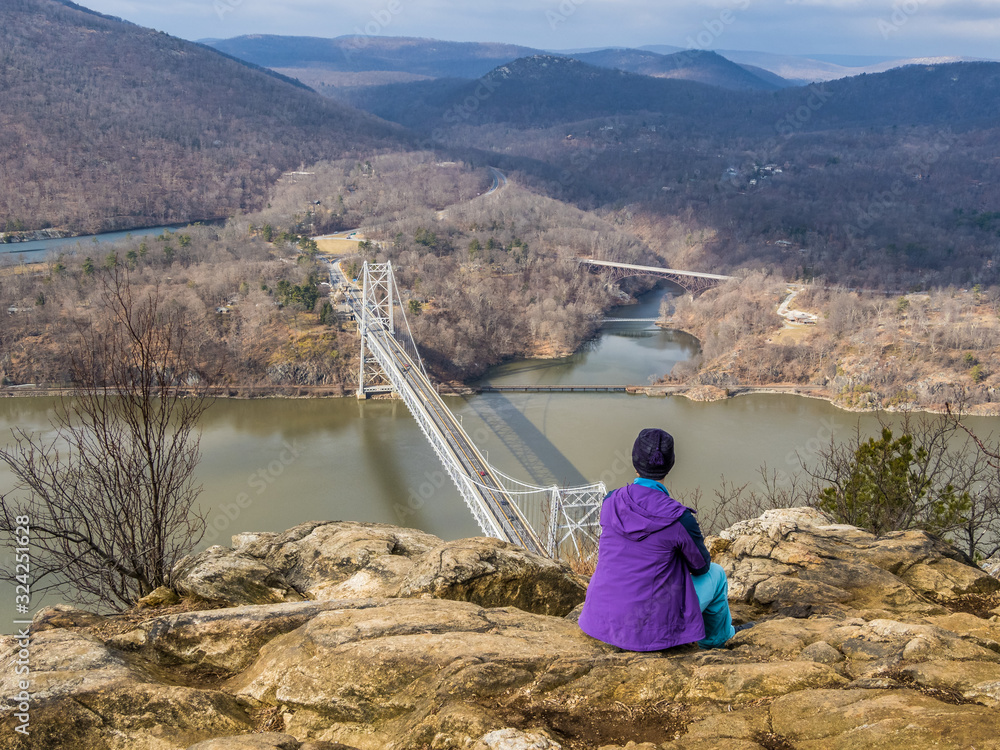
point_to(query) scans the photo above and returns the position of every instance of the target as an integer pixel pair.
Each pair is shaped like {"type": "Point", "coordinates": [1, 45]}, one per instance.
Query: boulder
{"type": "Point", "coordinates": [341, 560]}
{"type": "Point", "coordinates": [220, 575]}
{"type": "Point", "coordinates": [797, 561]}
{"type": "Point", "coordinates": [219, 640]}
{"type": "Point", "coordinates": [159, 597]}
{"type": "Point", "coordinates": [492, 573]}
{"type": "Point", "coordinates": [330, 561]}
{"type": "Point", "coordinates": [370, 671]}
{"type": "Point", "coordinates": [515, 739]}
{"type": "Point", "coordinates": [63, 616]}
{"type": "Point", "coordinates": [884, 719]}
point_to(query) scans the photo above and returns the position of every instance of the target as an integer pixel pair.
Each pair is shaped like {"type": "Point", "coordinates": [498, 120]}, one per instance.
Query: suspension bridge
{"type": "Point", "coordinates": [553, 521]}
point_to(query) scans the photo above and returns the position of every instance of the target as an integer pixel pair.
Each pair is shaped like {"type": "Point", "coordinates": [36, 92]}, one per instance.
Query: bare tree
{"type": "Point", "coordinates": [979, 533]}
{"type": "Point", "coordinates": [738, 502]}
{"type": "Point", "coordinates": [110, 493]}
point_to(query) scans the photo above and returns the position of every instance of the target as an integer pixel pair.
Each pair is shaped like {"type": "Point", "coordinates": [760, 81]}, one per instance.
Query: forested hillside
{"type": "Point", "coordinates": [107, 125]}
{"type": "Point", "coordinates": [536, 91]}
{"type": "Point", "coordinates": [887, 180]}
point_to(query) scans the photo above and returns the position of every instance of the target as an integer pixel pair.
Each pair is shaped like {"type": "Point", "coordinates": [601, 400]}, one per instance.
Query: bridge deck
{"type": "Point", "coordinates": [653, 269]}
{"type": "Point", "coordinates": [490, 494]}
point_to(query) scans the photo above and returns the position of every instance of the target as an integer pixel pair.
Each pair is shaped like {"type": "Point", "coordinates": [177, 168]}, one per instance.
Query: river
{"type": "Point", "coordinates": [39, 250]}
{"type": "Point", "coordinates": [270, 464]}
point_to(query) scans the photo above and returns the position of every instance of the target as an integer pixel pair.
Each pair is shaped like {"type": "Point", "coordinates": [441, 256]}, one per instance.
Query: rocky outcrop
{"type": "Point", "coordinates": [34, 235]}
{"type": "Point", "coordinates": [329, 561]}
{"type": "Point", "coordinates": [406, 642]}
{"type": "Point", "coordinates": [87, 694]}
{"type": "Point", "coordinates": [798, 562]}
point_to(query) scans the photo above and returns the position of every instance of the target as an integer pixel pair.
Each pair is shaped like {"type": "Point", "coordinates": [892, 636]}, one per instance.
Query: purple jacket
{"type": "Point", "coordinates": [641, 597]}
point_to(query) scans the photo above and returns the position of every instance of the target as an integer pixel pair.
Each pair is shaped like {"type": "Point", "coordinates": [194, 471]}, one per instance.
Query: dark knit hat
{"type": "Point", "coordinates": [653, 453]}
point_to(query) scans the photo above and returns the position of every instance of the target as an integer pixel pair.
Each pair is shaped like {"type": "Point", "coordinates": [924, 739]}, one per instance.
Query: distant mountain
{"type": "Point", "coordinates": [536, 91]}
{"type": "Point", "coordinates": [792, 68]}
{"type": "Point", "coordinates": [853, 61]}
{"type": "Point", "coordinates": [827, 67]}
{"type": "Point", "coordinates": [768, 77]}
{"type": "Point", "coordinates": [348, 61]}
{"type": "Point", "coordinates": [956, 96]}
{"type": "Point", "coordinates": [544, 90]}
{"type": "Point", "coordinates": [108, 125]}
{"type": "Point", "coordinates": [423, 57]}
{"type": "Point", "coordinates": [689, 65]}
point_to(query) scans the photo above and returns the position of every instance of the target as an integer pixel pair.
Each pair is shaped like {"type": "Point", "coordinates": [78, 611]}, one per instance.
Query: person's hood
{"type": "Point", "coordinates": [636, 511]}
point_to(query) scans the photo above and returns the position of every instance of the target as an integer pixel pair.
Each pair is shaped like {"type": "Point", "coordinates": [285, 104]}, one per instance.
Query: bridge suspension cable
{"type": "Point", "coordinates": [553, 521]}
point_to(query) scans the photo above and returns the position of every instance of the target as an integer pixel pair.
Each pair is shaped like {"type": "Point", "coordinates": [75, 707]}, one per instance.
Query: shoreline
{"type": "Point", "coordinates": [821, 393]}
{"type": "Point", "coordinates": [62, 233]}
{"type": "Point", "coordinates": [700, 393]}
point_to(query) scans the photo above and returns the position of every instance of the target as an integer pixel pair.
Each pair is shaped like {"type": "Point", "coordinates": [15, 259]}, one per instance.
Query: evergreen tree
{"type": "Point", "coordinates": [888, 485]}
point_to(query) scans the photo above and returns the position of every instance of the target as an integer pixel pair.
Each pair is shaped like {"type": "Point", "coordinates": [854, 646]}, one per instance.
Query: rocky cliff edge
{"type": "Point", "coordinates": [346, 635]}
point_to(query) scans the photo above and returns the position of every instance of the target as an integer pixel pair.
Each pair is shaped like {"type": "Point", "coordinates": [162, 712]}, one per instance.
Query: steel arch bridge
{"type": "Point", "coordinates": [552, 521]}
{"type": "Point", "coordinates": [692, 281]}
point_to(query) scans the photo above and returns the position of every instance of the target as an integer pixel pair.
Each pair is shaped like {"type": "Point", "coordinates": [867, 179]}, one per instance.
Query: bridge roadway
{"type": "Point", "coordinates": [654, 270]}
{"type": "Point", "coordinates": [493, 498]}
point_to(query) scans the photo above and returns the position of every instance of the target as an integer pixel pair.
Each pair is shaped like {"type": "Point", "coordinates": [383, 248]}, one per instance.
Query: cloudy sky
{"type": "Point", "coordinates": [886, 28]}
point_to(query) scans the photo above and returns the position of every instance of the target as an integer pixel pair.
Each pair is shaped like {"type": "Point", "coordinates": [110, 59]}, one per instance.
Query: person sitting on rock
{"type": "Point", "coordinates": [655, 585]}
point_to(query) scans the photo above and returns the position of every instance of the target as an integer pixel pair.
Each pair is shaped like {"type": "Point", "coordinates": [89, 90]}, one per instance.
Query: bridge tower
{"type": "Point", "coordinates": [574, 523]}
{"type": "Point", "coordinates": [377, 302]}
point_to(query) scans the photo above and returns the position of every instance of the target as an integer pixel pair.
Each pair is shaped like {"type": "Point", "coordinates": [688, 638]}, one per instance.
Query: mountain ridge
{"type": "Point", "coordinates": [440, 59]}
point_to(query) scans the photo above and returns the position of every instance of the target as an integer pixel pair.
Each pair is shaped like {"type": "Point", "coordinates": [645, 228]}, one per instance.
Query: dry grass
{"type": "Point", "coordinates": [337, 246]}
{"type": "Point", "coordinates": [24, 268]}
{"type": "Point", "coordinates": [581, 564]}
{"type": "Point", "coordinates": [793, 333]}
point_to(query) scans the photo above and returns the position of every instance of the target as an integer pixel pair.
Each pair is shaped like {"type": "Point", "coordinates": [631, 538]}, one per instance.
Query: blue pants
{"type": "Point", "coordinates": [712, 589]}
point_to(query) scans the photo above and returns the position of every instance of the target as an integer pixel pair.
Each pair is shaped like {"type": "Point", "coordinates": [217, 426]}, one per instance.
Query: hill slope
{"type": "Point", "coordinates": [107, 125]}
{"type": "Point", "coordinates": [534, 91]}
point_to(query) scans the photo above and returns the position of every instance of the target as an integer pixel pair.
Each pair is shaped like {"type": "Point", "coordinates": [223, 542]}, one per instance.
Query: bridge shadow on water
{"type": "Point", "coordinates": [542, 462]}
{"type": "Point", "coordinates": [381, 445]}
